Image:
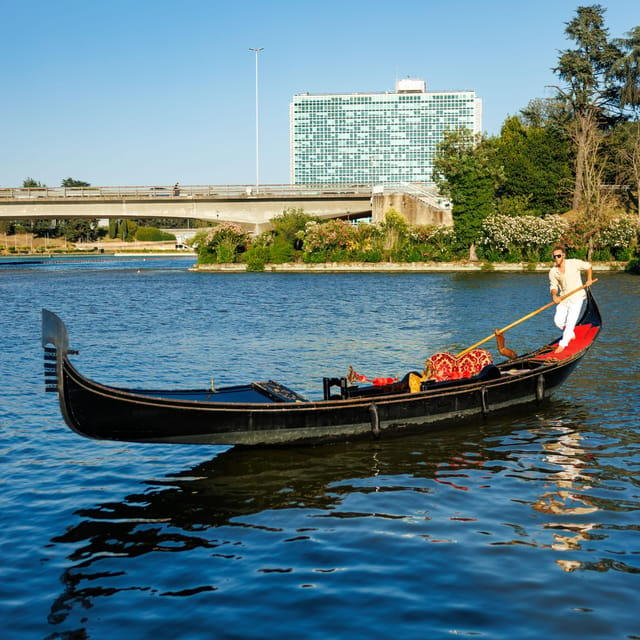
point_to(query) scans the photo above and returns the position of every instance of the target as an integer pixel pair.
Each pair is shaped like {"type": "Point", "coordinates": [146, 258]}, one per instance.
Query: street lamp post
{"type": "Point", "coordinates": [257, 51]}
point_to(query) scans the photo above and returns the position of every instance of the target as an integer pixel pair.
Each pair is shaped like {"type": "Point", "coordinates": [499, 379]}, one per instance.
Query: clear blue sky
{"type": "Point", "coordinates": [142, 92]}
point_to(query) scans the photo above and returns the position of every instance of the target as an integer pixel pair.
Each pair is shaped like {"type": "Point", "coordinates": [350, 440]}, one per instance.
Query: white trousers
{"type": "Point", "coordinates": [566, 317]}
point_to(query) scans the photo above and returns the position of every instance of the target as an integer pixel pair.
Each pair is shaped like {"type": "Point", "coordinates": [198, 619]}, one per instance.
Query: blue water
{"type": "Point", "coordinates": [522, 527]}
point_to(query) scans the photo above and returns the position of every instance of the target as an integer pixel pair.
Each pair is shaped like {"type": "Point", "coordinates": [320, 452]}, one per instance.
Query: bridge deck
{"type": "Point", "coordinates": [222, 192]}
{"type": "Point", "coordinates": [253, 205]}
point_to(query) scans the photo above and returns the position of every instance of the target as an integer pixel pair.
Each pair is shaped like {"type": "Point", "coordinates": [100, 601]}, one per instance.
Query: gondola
{"type": "Point", "coordinates": [269, 413]}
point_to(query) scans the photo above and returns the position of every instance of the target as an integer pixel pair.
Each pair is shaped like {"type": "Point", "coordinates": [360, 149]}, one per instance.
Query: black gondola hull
{"type": "Point", "coordinates": [199, 417]}
{"type": "Point", "coordinates": [101, 412]}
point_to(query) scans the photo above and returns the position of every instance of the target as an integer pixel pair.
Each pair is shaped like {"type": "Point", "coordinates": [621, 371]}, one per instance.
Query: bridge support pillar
{"type": "Point", "coordinates": [414, 209]}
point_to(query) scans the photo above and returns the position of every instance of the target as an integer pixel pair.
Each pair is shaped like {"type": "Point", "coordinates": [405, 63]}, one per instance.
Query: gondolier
{"type": "Point", "coordinates": [564, 276]}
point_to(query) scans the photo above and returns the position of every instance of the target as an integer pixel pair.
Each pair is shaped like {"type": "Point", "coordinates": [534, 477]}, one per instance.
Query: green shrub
{"type": "Point", "coordinates": [521, 238]}
{"type": "Point", "coordinates": [333, 239]}
{"type": "Point", "coordinates": [281, 250]}
{"type": "Point", "coordinates": [152, 234]}
{"type": "Point", "coordinates": [222, 243]}
{"type": "Point", "coordinates": [315, 257]}
{"type": "Point", "coordinates": [622, 254]}
{"type": "Point", "coordinates": [633, 267]}
{"type": "Point", "coordinates": [370, 255]}
{"type": "Point", "coordinates": [256, 257]}
{"type": "Point", "coordinates": [602, 255]}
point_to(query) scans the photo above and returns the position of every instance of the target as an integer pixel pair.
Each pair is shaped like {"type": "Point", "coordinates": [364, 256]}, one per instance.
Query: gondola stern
{"type": "Point", "coordinates": [55, 342]}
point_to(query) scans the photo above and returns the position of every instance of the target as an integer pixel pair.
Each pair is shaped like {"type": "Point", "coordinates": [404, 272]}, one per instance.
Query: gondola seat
{"type": "Point", "coordinates": [488, 372]}
{"type": "Point", "coordinates": [445, 366]}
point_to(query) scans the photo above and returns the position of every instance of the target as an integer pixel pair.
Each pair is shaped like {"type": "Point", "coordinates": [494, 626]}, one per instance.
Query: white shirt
{"type": "Point", "coordinates": [569, 280]}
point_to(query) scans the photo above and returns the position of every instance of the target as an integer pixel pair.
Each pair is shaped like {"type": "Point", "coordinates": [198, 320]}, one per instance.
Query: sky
{"type": "Point", "coordinates": [153, 92]}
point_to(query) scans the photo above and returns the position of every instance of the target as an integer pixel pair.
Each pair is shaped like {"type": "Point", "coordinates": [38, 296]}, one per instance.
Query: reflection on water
{"type": "Point", "coordinates": [221, 508]}
{"type": "Point", "coordinates": [568, 497]}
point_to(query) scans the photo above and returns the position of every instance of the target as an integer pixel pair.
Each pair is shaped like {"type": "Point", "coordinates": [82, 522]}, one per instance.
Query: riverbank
{"type": "Point", "coordinates": [91, 258]}
{"type": "Point", "coordinates": [298, 267]}
{"type": "Point", "coordinates": [396, 267]}
{"type": "Point", "coordinates": [26, 244]}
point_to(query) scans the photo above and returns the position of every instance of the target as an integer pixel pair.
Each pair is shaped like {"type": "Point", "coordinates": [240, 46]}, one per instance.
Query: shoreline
{"type": "Point", "coordinates": [302, 267]}
{"type": "Point", "coordinates": [395, 267]}
{"type": "Point", "coordinates": [95, 257]}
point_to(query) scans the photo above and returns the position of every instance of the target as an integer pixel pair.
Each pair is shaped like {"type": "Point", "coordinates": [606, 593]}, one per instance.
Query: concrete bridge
{"type": "Point", "coordinates": [248, 205]}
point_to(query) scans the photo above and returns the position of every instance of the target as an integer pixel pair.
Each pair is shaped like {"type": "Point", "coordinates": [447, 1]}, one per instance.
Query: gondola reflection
{"type": "Point", "coordinates": [209, 507]}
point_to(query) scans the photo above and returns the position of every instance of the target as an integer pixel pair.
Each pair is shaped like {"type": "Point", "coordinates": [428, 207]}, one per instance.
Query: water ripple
{"type": "Point", "coordinates": [520, 527]}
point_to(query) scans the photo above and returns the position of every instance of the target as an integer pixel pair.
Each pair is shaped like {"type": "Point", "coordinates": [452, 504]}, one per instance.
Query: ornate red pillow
{"type": "Point", "coordinates": [441, 366]}
{"type": "Point", "coordinates": [473, 362]}
{"type": "Point", "coordinates": [445, 366]}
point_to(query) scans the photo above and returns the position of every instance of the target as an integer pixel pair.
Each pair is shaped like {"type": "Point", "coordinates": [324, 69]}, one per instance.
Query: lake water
{"type": "Point", "coordinates": [524, 527]}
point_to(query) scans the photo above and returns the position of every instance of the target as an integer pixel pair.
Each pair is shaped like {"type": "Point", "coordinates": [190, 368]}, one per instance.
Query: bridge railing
{"type": "Point", "coordinates": [180, 191]}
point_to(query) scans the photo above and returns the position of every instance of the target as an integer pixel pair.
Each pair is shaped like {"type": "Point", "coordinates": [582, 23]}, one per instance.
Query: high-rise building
{"type": "Point", "coordinates": [375, 138]}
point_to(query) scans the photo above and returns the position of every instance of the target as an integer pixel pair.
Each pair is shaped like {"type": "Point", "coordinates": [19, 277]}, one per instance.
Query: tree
{"type": "Point", "coordinates": [536, 164]}
{"type": "Point", "coordinates": [30, 183]}
{"type": "Point", "coordinates": [591, 98]}
{"type": "Point", "coordinates": [76, 229]}
{"type": "Point", "coordinates": [627, 71]}
{"type": "Point", "coordinates": [550, 113]}
{"type": "Point", "coordinates": [466, 170]}
{"type": "Point", "coordinates": [43, 228]}
{"type": "Point", "coordinates": [71, 182]}
{"type": "Point", "coordinates": [627, 154]}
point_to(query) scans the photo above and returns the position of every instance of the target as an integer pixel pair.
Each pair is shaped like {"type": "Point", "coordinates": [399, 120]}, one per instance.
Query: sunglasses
{"type": "Point", "coordinates": [557, 255]}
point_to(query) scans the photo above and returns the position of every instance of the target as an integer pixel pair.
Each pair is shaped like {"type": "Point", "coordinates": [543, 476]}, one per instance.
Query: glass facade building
{"type": "Point", "coordinates": [375, 138]}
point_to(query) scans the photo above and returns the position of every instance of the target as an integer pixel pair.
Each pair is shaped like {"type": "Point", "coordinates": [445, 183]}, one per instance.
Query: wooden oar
{"type": "Point", "coordinates": [517, 322]}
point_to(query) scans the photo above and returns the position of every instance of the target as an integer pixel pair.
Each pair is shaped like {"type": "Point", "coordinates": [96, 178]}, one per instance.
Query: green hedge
{"type": "Point", "coordinates": [151, 234]}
